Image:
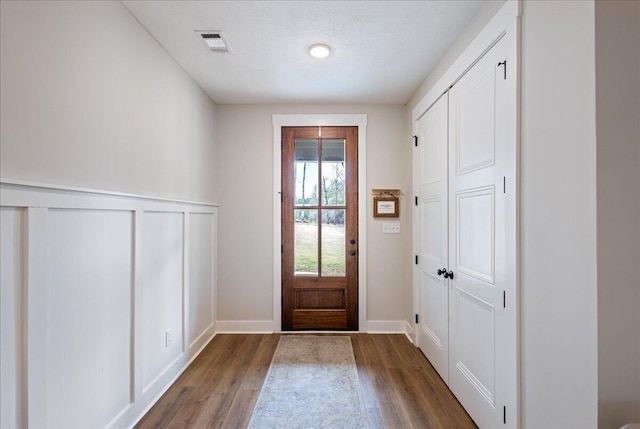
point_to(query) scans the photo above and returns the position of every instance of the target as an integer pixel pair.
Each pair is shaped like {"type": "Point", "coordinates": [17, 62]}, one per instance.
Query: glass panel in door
{"type": "Point", "coordinates": [333, 173]}
{"type": "Point", "coordinates": [306, 172]}
{"type": "Point", "coordinates": [305, 251]}
{"type": "Point", "coordinates": [333, 243]}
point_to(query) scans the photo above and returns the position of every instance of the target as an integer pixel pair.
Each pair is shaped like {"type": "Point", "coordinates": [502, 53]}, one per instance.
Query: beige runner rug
{"type": "Point", "coordinates": [312, 383]}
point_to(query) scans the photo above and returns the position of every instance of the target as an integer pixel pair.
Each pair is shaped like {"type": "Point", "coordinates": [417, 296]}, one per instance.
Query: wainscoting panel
{"type": "Point", "coordinates": [201, 253]}
{"type": "Point", "coordinates": [105, 299]}
{"type": "Point", "coordinates": [88, 317]}
{"type": "Point", "coordinates": [161, 267]}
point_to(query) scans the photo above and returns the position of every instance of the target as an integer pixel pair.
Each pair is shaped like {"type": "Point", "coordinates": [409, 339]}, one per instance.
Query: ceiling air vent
{"type": "Point", "coordinates": [215, 41]}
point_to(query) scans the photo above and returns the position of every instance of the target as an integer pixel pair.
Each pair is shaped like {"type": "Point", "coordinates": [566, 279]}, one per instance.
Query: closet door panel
{"type": "Point", "coordinates": [473, 113]}
{"type": "Point", "coordinates": [433, 294]}
{"type": "Point", "coordinates": [475, 232]}
{"type": "Point", "coordinates": [474, 225]}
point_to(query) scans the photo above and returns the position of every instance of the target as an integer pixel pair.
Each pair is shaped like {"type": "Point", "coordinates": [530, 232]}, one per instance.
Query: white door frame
{"type": "Point", "coordinates": [320, 120]}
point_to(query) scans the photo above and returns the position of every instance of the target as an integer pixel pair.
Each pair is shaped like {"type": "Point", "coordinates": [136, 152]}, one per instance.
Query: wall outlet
{"type": "Point", "coordinates": [167, 338]}
{"type": "Point", "coordinates": [391, 227]}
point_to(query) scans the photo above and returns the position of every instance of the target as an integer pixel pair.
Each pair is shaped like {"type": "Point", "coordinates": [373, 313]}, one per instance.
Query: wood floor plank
{"type": "Point", "coordinates": [435, 393]}
{"type": "Point", "coordinates": [161, 416]}
{"type": "Point", "coordinates": [241, 409]}
{"type": "Point", "coordinates": [388, 354]}
{"type": "Point", "coordinates": [215, 350]}
{"type": "Point", "coordinates": [368, 393]}
{"type": "Point", "coordinates": [215, 410]}
{"type": "Point", "coordinates": [410, 396]}
{"type": "Point", "coordinates": [391, 408]}
{"type": "Point", "coordinates": [260, 363]}
{"type": "Point", "coordinates": [221, 387]}
{"type": "Point", "coordinates": [223, 349]}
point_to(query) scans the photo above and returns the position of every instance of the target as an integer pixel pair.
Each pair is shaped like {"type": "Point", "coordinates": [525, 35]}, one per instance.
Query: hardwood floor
{"type": "Point", "coordinates": [220, 388]}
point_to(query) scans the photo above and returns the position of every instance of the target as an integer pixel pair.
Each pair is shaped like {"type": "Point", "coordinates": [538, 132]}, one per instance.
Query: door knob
{"type": "Point", "coordinates": [352, 241]}
{"type": "Point", "coordinates": [352, 253]}
{"type": "Point", "coordinates": [442, 271]}
{"type": "Point", "coordinates": [448, 275]}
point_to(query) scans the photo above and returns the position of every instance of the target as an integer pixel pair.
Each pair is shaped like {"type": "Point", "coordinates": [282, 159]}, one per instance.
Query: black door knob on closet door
{"type": "Point", "coordinates": [442, 271]}
{"type": "Point", "coordinates": [448, 275]}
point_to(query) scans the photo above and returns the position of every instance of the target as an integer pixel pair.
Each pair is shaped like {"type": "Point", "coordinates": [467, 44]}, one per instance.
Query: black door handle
{"type": "Point", "coordinates": [448, 275]}
{"type": "Point", "coordinates": [442, 271]}
{"type": "Point", "coordinates": [352, 253]}
{"type": "Point", "coordinates": [352, 241]}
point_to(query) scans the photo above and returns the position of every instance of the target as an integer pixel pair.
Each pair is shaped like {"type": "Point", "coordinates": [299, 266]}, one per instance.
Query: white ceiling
{"type": "Point", "coordinates": [381, 50]}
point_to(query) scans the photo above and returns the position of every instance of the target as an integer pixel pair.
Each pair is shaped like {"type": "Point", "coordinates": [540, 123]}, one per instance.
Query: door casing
{"type": "Point", "coordinates": [301, 120]}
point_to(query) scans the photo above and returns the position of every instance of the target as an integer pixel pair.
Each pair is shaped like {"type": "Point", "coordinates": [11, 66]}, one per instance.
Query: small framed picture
{"type": "Point", "coordinates": [385, 207]}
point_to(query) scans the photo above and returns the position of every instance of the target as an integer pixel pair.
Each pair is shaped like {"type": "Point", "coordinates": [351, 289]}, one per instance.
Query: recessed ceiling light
{"type": "Point", "coordinates": [319, 50]}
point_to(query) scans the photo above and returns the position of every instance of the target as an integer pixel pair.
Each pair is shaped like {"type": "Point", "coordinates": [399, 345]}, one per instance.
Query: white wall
{"type": "Point", "coordinates": [558, 202]}
{"type": "Point", "coordinates": [90, 99]}
{"type": "Point", "coordinates": [617, 30]}
{"type": "Point", "coordinates": [477, 23]}
{"type": "Point", "coordinates": [245, 138]}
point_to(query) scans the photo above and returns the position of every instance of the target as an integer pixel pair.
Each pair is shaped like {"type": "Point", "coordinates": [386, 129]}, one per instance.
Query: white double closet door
{"type": "Point", "coordinates": [465, 162]}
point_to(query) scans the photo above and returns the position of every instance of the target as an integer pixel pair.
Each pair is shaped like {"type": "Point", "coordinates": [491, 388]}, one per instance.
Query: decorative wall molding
{"type": "Point", "coordinates": [9, 185]}
{"type": "Point", "coordinates": [109, 297]}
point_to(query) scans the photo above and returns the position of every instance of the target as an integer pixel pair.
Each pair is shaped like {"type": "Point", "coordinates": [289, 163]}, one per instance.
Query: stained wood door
{"type": "Point", "coordinates": [481, 157]}
{"type": "Point", "coordinates": [433, 242]}
{"type": "Point", "coordinates": [319, 228]}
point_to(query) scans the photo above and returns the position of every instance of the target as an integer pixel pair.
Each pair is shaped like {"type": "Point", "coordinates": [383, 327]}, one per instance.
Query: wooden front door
{"type": "Point", "coordinates": [319, 228]}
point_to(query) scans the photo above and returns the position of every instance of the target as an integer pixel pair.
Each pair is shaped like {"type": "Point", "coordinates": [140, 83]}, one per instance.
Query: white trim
{"type": "Point", "coordinates": [244, 327]}
{"type": "Point", "coordinates": [409, 331]}
{"type": "Point", "coordinates": [136, 309]}
{"type": "Point", "coordinates": [30, 194]}
{"type": "Point", "coordinates": [36, 315]}
{"type": "Point", "coordinates": [359, 120]}
{"type": "Point", "coordinates": [264, 327]}
{"type": "Point", "coordinates": [386, 327]}
{"type": "Point", "coordinates": [186, 237]}
{"type": "Point", "coordinates": [26, 183]}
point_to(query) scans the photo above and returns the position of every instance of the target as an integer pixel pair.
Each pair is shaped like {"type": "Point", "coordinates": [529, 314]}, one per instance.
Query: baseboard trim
{"type": "Point", "coordinates": [244, 327]}
{"type": "Point", "coordinates": [409, 332]}
{"type": "Point", "coordinates": [267, 327]}
{"type": "Point", "coordinates": [385, 327]}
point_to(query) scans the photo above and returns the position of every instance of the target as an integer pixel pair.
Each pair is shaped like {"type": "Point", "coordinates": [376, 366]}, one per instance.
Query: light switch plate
{"type": "Point", "coordinates": [391, 227]}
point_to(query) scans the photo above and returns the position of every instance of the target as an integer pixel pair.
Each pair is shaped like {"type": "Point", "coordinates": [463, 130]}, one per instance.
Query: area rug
{"type": "Point", "coordinates": [312, 383]}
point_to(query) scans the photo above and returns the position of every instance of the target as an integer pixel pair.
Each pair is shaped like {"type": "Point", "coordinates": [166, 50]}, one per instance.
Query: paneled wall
{"type": "Point", "coordinates": [105, 298]}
